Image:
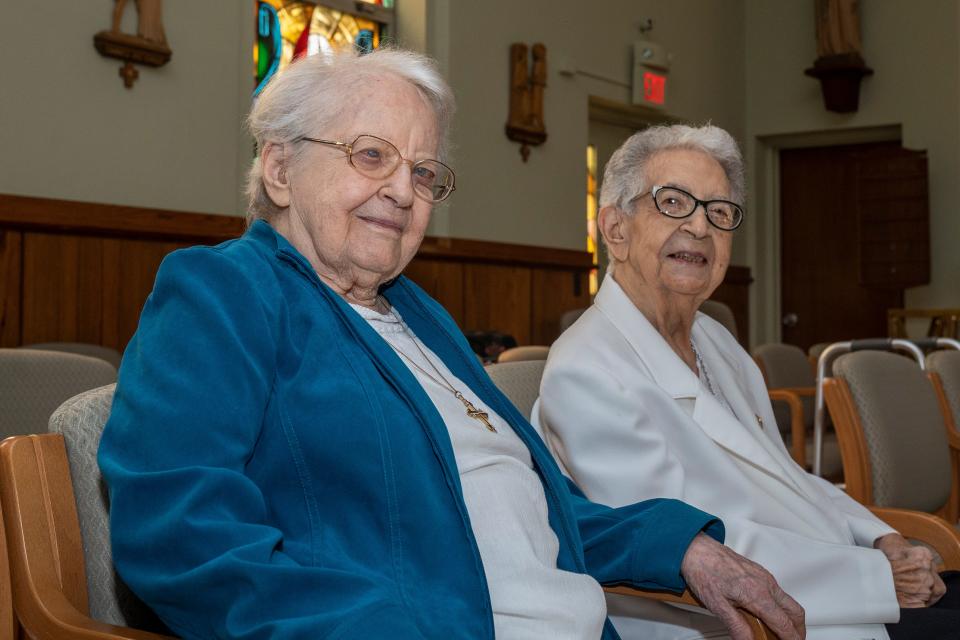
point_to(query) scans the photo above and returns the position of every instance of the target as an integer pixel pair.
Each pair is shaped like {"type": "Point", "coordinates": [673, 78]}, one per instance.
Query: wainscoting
{"type": "Point", "coordinates": [80, 272]}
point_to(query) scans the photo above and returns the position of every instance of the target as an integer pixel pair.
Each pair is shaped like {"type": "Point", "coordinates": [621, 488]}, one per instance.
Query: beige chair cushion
{"type": "Point", "coordinates": [946, 364]}
{"type": "Point", "coordinates": [34, 383]}
{"type": "Point", "coordinates": [518, 354]}
{"type": "Point", "coordinates": [722, 314]}
{"type": "Point", "coordinates": [569, 317]}
{"type": "Point", "coordinates": [903, 427]}
{"type": "Point", "coordinates": [81, 348]}
{"type": "Point", "coordinates": [80, 420]}
{"type": "Point", "coordinates": [519, 381]}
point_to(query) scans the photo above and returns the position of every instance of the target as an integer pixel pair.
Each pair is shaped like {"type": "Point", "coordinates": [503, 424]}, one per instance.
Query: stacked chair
{"type": "Point", "coordinates": [33, 383]}
{"type": "Point", "coordinates": [896, 453]}
{"type": "Point", "coordinates": [792, 386]}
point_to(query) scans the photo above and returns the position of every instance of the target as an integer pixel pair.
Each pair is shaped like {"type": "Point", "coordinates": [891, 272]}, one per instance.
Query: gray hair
{"type": "Point", "coordinates": [624, 176]}
{"type": "Point", "coordinates": [313, 92]}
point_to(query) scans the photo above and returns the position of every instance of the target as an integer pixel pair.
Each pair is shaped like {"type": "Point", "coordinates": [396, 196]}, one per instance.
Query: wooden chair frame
{"type": "Point", "coordinates": [953, 437]}
{"type": "Point", "coordinates": [760, 630]}
{"type": "Point", "coordinates": [45, 547]}
{"type": "Point", "coordinates": [791, 395]}
{"type": "Point", "coordinates": [798, 432]}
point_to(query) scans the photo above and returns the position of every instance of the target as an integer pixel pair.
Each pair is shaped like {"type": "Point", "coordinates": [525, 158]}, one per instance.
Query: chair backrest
{"type": "Point", "coordinates": [903, 429]}
{"type": "Point", "coordinates": [787, 366]}
{"type": "Point", "coordinates": [569, 317]}
{"type": "Point", "coordinates": [80, 348]}
{"type": "Point", "coordinates": [946, 364]}
{"type": "Point", "coordinates": [80, 420]}
{"type": "Point", "coordinates": [34, 383]}
{"type": "Point", "coordinates": [722, 313]}
{"type": "Point", "coordinates": [519, 381]}
{"type": "Point", "coordinates": [518, 354]}
{"type": "Point", "coordinates": [816, 349]}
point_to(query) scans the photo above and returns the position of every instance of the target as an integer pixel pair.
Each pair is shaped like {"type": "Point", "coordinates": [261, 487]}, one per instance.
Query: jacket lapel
{"type": "Point", "coordinates": [745, 439]}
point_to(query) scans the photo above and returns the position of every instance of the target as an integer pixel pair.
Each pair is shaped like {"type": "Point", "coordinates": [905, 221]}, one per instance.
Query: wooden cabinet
{"type": "Point", "coordinates": [893, 218]}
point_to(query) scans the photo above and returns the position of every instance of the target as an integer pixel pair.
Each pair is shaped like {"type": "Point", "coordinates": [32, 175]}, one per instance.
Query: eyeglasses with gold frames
{"type": "Point", "coordinates": [377, 158]}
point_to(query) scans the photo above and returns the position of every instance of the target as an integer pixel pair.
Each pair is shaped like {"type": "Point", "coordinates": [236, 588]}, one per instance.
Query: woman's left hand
{"type": "Point", "coordinates": [915, 576]}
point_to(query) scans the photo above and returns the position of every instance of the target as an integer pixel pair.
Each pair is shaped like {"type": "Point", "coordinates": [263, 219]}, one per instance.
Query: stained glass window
{"type": "Point", "coordinates": [290, 29]}
{"type": "Point", "coordinates": [592, 213]}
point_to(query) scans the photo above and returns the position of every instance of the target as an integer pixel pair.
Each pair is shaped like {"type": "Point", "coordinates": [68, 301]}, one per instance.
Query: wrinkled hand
{"type": "Point", "coordinates": [723, 581]}
{"type": "Point", "coordinates": [915, 574]}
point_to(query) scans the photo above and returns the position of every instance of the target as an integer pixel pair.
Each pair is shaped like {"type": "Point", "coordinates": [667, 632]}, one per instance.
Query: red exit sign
{"type": "Point", "coordinates": [654, 88]}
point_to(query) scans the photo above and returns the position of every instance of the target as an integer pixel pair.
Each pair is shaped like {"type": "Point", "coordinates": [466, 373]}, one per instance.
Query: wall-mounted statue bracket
{"type": "Point", "coordinates": [839, 65]}
{"type": "Point", "coordinates": [149, 47]}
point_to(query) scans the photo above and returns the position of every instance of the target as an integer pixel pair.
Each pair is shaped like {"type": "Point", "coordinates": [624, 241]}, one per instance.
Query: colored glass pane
{"type": "Point", "coordinates": [592, 213]}
{"type": "Point", "coordinates": [288, 29]}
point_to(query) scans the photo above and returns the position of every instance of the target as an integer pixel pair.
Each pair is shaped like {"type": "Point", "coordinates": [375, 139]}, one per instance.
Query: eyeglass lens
{"type": "Point", "coordinates": [680, 204]}
{"type": "Point", "coordinates": [377, 158]}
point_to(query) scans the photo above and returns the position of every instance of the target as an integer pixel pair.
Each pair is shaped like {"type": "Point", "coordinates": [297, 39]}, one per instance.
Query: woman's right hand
{"type": "Point", "coordinates": [725, 581]}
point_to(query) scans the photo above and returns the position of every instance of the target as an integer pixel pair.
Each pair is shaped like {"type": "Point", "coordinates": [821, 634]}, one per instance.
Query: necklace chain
{"type": "Point", "coordinates": [440, 379]}
{"type": "Point", "coordinates": [702, 369]}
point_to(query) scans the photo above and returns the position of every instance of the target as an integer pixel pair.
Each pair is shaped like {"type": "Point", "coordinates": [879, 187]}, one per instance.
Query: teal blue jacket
{"type": "Point", "coordinates": [275, 471]}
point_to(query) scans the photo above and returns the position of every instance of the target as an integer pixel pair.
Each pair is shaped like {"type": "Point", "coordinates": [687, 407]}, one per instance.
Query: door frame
{"type": "Point", "coordinates": [764, 246]}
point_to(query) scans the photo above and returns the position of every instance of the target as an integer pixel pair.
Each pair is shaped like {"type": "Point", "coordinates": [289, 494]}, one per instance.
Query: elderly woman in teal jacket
{"type": "Point", "coordinates": [302, 444]}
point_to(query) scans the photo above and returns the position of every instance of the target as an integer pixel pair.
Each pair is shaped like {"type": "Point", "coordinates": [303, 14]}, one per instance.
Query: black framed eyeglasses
{"type": "Point", "coordinates": [377, 158]}
{"type": "Point", "coordinates": [677, 203]}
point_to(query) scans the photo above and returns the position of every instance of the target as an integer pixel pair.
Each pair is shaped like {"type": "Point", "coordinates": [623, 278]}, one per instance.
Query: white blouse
{"type": "Point", "coordinates": [531, 597]}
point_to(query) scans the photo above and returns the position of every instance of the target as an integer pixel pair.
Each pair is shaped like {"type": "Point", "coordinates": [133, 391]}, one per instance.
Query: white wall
{"type": "Point", "coordinates": [913, 50]}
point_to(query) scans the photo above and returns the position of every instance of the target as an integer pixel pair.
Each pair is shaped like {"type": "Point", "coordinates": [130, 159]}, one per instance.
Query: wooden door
{"type": "Point", "coordinates": [851, 218]}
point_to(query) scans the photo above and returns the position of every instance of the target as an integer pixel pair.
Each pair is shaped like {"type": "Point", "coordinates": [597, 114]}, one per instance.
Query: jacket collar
{"type": "Point", "coordinates": [668, 371]}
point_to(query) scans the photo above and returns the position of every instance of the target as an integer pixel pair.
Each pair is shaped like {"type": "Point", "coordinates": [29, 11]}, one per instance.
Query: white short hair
{"type": "Point", "coordinates": [314, 91]}
{"type": "Point", "coordinates": [624, 177]}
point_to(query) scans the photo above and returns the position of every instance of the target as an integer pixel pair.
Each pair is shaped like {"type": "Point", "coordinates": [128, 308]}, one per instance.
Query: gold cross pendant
{"type": "Point", "coordinates": [475, 413]}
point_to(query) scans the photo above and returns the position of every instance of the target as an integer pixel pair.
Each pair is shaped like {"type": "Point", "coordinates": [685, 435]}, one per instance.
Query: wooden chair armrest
{"type": "Point", "coordinates": [800, 391]}
{"type": "Point", "coordinates": [57, 618]}
{"type": "Point", "coordinates": [927, 528]}
{"type": "Point", "coordinates": [760, 630]}
{"type": "Point", "coordinates": [798, 432]}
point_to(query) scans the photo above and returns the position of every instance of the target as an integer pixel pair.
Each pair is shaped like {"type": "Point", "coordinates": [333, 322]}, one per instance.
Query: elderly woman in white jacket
{"type": "Point", "coordinates": [644, 396]}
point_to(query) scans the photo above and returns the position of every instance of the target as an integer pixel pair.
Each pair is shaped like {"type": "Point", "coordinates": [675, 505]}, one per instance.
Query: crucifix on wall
{"type": "Point", "coordinates": [148, 47]}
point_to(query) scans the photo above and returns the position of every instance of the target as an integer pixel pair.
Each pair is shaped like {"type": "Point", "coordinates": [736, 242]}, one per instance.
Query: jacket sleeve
{"type": "Point", "coordinates": [643, 544]}
{"type": "Point", "coordinates": [190, 530]}
{"type": "Point", "coordinates": [615, 449]}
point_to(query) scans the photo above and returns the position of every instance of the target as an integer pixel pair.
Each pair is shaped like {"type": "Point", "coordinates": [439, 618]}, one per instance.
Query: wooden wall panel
{"type": "Point", "coordinates": [131, 272]}
{"type": "Point", "coordinates": [497, 298]}
{"type": "Point", "coordinates": [11, 243]}
{"type": "Point", "coordinates": [442, 280]}
{"type": "Point", "coordinates": [82, 271]}
{"type": "Point", "coordinates": [556, 291]}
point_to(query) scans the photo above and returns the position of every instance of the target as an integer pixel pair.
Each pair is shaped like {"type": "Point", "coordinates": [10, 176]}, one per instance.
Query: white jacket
{"type": "Point", "coordinates": [628, 420]}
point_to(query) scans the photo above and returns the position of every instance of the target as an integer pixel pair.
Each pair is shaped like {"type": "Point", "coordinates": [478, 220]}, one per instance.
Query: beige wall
{"type": "Point", "coordinates": [541, 202]}
{"type": "Point", "coordinates": [69, 128]}
{"type": "Point", "coordinates": [913, 49]}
